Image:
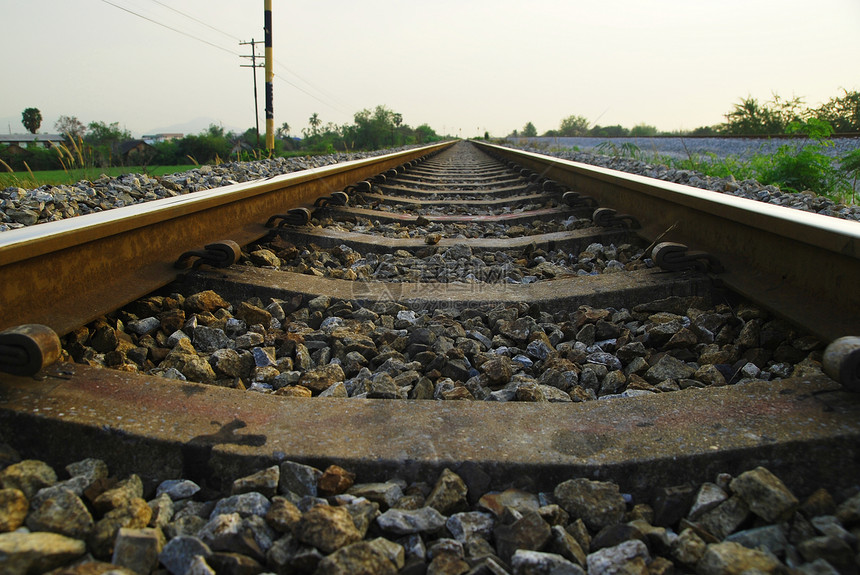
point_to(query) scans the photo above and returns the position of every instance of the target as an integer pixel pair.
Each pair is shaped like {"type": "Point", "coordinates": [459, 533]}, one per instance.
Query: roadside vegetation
{"type": "Point", "coordinates": [797, 166]}
{"type": "Point", "coordinates": [100, 148]}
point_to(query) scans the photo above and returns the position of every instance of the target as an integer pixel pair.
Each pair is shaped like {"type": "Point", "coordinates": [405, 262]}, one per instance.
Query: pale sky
{"type": "Point", "coordinates": [462, 66]}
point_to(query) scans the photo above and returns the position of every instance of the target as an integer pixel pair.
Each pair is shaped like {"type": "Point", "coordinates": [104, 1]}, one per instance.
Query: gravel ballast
{"type": "Point", "coordinates": [21, 207]}
{"type": "Point", "coordinates": [293, 518]}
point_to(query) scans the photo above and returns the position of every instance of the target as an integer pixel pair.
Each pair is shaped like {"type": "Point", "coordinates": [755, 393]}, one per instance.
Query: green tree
{"type": "Point", "coordinates": [375, 129]}
{"type": "Point", "coordinates": [314, 122]}
{"type": "Point", "coordinates": [705, 131]}
{"type": "Point", "coordinates": [283, 132]}
{"type": "Point", "coordinates": [616, 131]}
{"type": "Point", "coordinates": [529, 130]}
{"type": "Point", "coordinates": [32, 119]}
{"type": "Point", "coordinates": [99, 134]}
{"type": "Point", "coordinates": [70, 126]}
{"type": "Point", "coordinates": [424, 134]}
{"type": "Point", "coordinates": [104, 139]}
{"type": "Point", "coordinates": [749, 117]}
{"type": "Point", "coordinates": [573, 126]}
{"type": "Point", "coordinates": [643, 131]}
{"type": "Point", "coordinates": [842, 113]}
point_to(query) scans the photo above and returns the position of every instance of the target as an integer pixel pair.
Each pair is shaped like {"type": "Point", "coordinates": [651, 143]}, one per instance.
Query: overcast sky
{"type": "Point", "coordinates": [462, 66]}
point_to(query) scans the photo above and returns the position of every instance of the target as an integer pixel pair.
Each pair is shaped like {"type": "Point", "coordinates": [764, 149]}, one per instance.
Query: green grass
{"type": "Point", "coordinates": [59, 177]}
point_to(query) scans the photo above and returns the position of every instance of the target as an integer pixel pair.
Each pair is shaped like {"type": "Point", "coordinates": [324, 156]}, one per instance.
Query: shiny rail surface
{"type": "Point", "coordinates": [799, 265]}
{"type": "Point", "coordinates": [63, 274]}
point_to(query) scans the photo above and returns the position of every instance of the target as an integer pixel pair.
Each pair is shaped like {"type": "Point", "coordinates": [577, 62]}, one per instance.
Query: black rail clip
{"type": "Point", "coordinates": [218, 255]}
{"type": "Point", "coordinates": [575, 200]}
{"type": "Point", "coordinates": [609, 218]}
{"type": "Point", "coordinates": [674, 257]}
{"type": "Point", "coordinates": [295, 217]}
{"type": "Point", "coordinates": [336, 199]}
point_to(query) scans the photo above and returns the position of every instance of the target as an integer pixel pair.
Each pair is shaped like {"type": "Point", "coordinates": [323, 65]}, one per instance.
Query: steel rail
{"type": "Point", "coordinates": [66, 273]}
{"type": "Point", "coordinates": [799, 265]}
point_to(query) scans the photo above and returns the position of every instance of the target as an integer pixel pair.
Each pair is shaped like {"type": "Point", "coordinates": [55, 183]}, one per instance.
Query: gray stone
{"type": "Point", "coordinates": [407, 521]}
{"type": "Point", "coordinates": [526, 562]}
{"type": "Point", "coordinates": [829, 525]}
{"type": "Point", "coordinates": [264, 482]}
{"type": "Point", "coordinates": [449, 494]}
{"type": "Point", "coordinates": [299, 479]}
{"type": "Point", "coordinates": [89, 468]}
{"type": "Point", "coordinates": [363, 513]}
{"type": "Point", "coordinates": [669, 367]}
{"type": "Point", "coordinates": [628, 557]}
{"type": "Point", "coordinates": [765, 494]}
{"type": "Point", "coordinates": [724, 518]}
{"type": "Point", "coordinates": [162, 511]}
{"type": "Point", "coordinates": [566, 545]}
{"type": "Point", "coordinates": [144, 326]}
{"type": "Point", "coordinates": [611, 362]}
{"type": "Point", "coordinates": [231, 533]}
{"type": "Point", "coordinates": [598, 503]}
{"type": "Point", "coordinates": [207, 339]}
{"type": "Point", "coordinates": [539, 349]}
{"type": "Point", "coordinates": [467, 525]}
{"type": "Point", "coordinates": [179, 553]}
{"type": "Point", "coordinates": [709, 496]}
{"type": "Point", "coordinates": [832, 549]}
{"type": "Point", "coordinates": [527, 531]}
{"type": "Point", "coordinates": [385, 494]}
{"type": "Point", "coordinates": [64, 513]}
{"type": "Point", "coordinates": [177, 488]}
{"type": "Point", "coordinates": [770, 537]}
{"type": "Point", "coordinates": [818, 567]}
{"type": "Point", "coordinates": [245, 504]}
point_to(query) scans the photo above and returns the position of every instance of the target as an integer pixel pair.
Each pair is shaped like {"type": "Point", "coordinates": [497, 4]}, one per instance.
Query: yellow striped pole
{"type": "Point", "coordinates": [270, 109]}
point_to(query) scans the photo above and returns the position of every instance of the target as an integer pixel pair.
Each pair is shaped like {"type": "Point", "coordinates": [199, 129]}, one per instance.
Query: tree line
{"type": "Point", "coordinates": [99, 144]}
{"type": "Point", "coordinates": [748, 117]}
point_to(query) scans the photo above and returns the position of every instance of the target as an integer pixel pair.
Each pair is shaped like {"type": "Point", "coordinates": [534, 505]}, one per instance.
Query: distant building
{"type": "Point", "coordinates": [158, 138]}
{"type": "Point", "coordinates": [24, 140]}
{"type": "Point", "coordinates": [135, 151]}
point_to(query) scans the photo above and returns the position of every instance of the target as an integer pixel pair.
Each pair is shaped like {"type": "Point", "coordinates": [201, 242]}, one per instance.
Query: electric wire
{"type": "Point", "coordinates": [334, 103]}
{"type": "Point", "coordinates": [124, 9]}
{"type": "Point", "coordinates": [190, 17]}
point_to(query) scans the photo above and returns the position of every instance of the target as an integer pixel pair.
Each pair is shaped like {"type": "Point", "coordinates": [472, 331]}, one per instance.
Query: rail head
{"type": "Point", "coordinates": [33, 241]}
{"type": "Point", "coordinates": [63, 274]}
{"type": "Point", "coordinates": [800, 265]}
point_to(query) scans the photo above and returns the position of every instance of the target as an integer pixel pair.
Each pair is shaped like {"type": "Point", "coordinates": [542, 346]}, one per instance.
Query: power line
{"type": "Point", "coordinates": [124, 9]}
{"type": "Point", "coordinates": [334, 103]}
{"type": "Point", "coordinates": [190, 17]}
{"type": "Point", "coordinates": [320, 90]}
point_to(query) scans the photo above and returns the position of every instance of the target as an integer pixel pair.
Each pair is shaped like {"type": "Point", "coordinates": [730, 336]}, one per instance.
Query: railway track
{"type": "Point", "coordinates": [560, 302]}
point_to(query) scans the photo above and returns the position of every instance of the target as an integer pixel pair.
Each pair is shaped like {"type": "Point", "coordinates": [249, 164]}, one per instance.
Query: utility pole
{"type": "Point", "coordinates": [253, 65]}
{"type": "Point", "coordinates": [270, 112]}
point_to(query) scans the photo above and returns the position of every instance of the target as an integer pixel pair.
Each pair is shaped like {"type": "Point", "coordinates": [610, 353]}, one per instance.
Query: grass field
{"type": "Point", "coordinates": [57, 177]}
